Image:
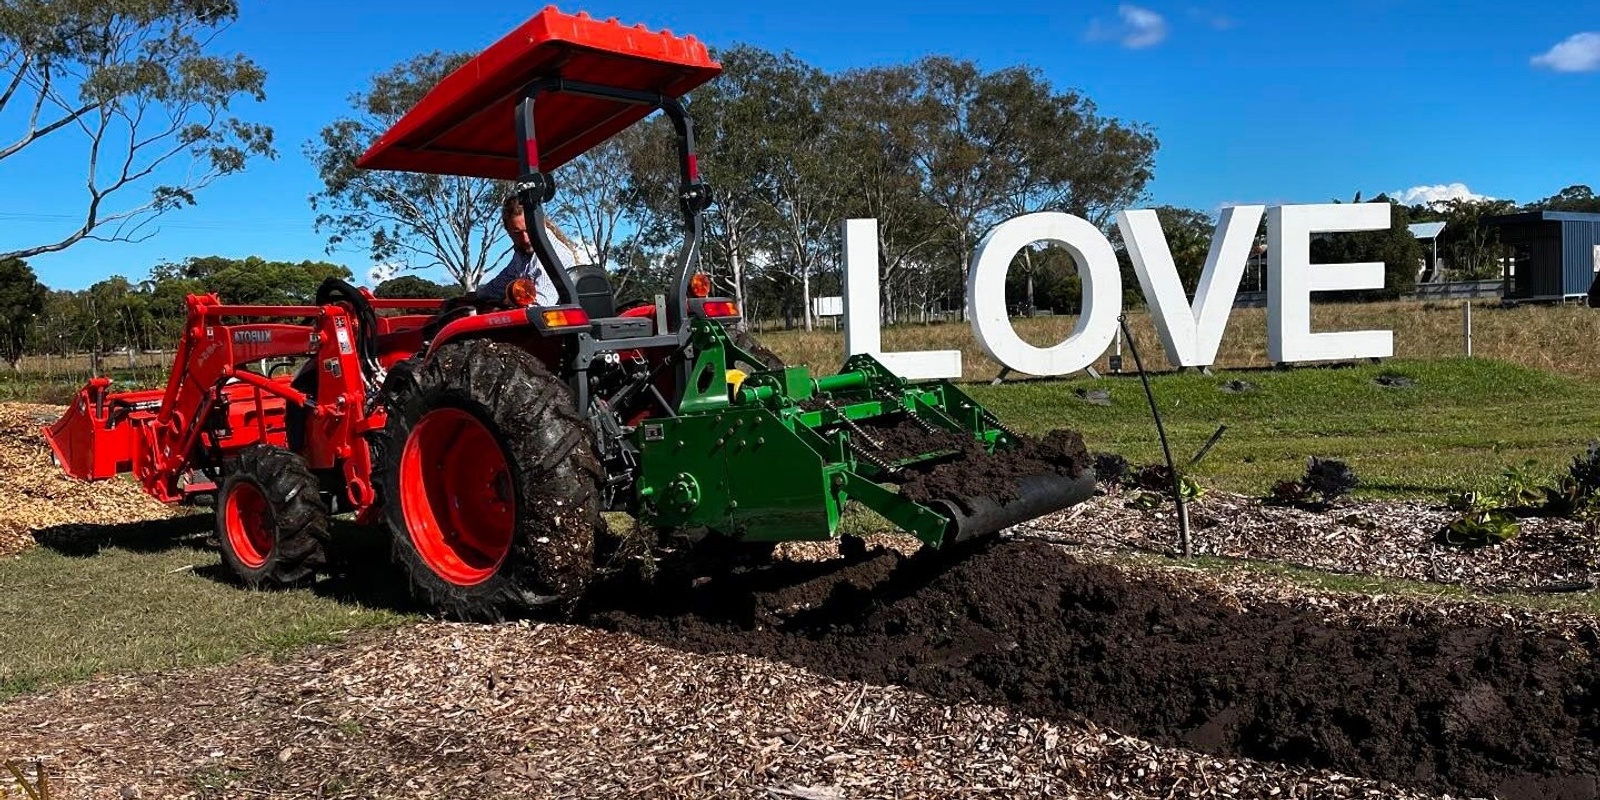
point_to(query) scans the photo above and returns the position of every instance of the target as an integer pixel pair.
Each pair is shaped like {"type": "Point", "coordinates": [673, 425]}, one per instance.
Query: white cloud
{"type": "Point", "coordinates": [382, 272]}
{"type": "Point", "coordinates": [1137, 27]}
{"type": "Point", "coordinates": [1579, 53]}
{"type": "Point", "coordinates": [1437, 193]}
{"type": "Point", "coordinates": [1215, 21]}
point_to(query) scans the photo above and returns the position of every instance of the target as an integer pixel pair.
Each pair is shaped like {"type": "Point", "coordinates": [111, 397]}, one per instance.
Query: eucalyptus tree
{"type": "Point", "coordinates": [411, 219]}
{"type": "Point", "coordinates": [137, 93]}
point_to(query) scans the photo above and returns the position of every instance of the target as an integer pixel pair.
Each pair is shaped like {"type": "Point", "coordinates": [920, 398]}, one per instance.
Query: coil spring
{"type": "Point", "coordinates": [872, 458]}
{"type": "Point", "coordinates": [850, 424]}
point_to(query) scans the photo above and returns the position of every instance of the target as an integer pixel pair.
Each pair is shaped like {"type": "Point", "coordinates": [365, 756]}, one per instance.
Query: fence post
{"type": "Point", "coordinates": [1466, 325]}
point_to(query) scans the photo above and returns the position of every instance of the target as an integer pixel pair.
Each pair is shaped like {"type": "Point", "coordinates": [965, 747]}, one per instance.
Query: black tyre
{"type": "Point", "coordinates": [271, 521]}
{"type": "Point", "coordinates": [489, 483]}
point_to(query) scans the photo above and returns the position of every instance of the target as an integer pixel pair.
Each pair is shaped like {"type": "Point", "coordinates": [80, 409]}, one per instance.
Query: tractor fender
{"type": "Point", "coordinates": [526, 327]}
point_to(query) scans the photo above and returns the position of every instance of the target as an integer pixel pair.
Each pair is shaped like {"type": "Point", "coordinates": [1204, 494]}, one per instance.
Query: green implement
{"type": "Point", "coordinates": [777, 456]}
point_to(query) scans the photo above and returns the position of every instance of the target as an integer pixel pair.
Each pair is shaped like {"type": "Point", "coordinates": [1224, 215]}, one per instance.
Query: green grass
{"type": "Point", "coordinates": [59, 389]}
{"type": "Point", "coordinates": [141, 608]}
{"type": "Point", "coordinates": [1458, 427]}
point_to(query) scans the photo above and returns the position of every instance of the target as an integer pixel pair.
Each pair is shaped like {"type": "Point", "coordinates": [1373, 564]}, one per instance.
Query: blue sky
{"type": "Point", "coordinates": [1252, 102]}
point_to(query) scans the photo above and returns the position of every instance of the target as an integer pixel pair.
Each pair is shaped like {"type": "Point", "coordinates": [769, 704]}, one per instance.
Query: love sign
{"type": "Point", "coordinates": [1191, 332]}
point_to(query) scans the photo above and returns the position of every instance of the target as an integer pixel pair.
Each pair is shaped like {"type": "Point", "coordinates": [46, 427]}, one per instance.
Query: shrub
{"type": "Point", "coordinates": [1325, 478]}
{"type": "Point", "coordinates": [1110, 469]}
{"type": "Point", "coordinates": [1480, 529]}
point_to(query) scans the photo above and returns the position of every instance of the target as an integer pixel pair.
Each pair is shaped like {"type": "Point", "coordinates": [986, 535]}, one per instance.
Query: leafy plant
{"type": "Point", "coordinates": [1110, 469]}
{"type": "Point", "coordinates": [1290, 493]}
{"type": "Point", "coordinates": [1330, 478]}
{"type": "Point", "coordinates": [1585, 470]}
{"type": "Point", "coordinates": [1480, 529]}
{"type": "Point", "coordinates": [1325, 478]}
{"type": "Point", "coordinates": [1470, 500]}
{"type": "Point", "coordinates": [1522, 487]}
{"type": "Point", "coordinates": [1156, 482]}
{"type": "Point", "coordinates": [1147, 501]}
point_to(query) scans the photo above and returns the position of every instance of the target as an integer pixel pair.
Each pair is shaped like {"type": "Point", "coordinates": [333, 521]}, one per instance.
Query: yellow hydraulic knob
{"type": "Point", "coordinates": [735, 378]}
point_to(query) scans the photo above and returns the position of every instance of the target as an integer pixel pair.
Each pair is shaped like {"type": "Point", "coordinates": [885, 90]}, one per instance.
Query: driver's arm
{"type": "Point", "coordinates": [495, 290]}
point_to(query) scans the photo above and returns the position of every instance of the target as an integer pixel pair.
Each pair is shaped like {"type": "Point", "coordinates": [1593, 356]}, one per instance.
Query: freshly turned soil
{"type": "Point", "coordinates": [1433, 701]}
{"type": "Point", "coordinates": [998, 475]}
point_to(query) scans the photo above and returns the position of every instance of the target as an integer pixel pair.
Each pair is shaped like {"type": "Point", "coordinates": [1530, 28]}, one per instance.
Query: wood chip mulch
{"type": "Point", "coordinates": [554, 711]}
{"type": "Point", "coordinates": [36, 495]}
{"type": "Point", "coordinates": [1393, 539]}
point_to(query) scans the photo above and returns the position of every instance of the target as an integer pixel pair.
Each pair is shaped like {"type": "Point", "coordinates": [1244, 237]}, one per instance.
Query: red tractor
{"type": "Point", "coordinates": [489, 436]}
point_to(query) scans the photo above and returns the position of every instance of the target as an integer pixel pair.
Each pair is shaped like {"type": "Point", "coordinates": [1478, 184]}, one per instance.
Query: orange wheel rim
{"type": "Point", "coordinates": [456, 496]}
{"type": "Point", "coordinates": [249, 524]}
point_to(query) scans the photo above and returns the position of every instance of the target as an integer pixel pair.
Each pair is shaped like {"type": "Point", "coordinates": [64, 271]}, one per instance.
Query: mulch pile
{"type": "Point", "coordinates": [36, 495]}
{"type": "Point", "coordinates": [518, 710]}
{"type": "Point", "coordinates": [1461, 697]}
{"type": "Point", "coordinates": [1395, 539]}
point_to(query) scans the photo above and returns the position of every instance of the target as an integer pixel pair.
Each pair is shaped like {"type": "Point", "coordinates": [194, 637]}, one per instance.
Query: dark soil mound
{"type": "Point", "coordinates": [1434, 703]}
{"type": "Point", "coordinates": [998, 475]}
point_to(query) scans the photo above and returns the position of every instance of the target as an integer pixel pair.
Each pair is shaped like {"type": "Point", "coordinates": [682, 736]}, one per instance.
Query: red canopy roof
{"type": "Point", "coordinates": [467, 124]}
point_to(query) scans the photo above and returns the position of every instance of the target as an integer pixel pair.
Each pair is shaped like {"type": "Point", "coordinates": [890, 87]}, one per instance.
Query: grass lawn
{"type": "Point", "coordinates": [1460, 424]}
{"type": "Point", "coordinates": [144, 598]}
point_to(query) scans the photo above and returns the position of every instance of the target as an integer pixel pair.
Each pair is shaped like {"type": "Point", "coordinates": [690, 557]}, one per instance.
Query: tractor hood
{"type": "Point", "coordinates": [465, 125]}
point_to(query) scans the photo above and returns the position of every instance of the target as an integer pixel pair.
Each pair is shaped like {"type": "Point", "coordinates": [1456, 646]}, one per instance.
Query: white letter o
{"type": "Point", "coordinates": [1102, 293]}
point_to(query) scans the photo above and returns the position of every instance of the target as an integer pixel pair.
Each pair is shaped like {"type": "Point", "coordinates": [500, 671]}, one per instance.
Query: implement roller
{"type": "Point", "coordinates": [488, 434]}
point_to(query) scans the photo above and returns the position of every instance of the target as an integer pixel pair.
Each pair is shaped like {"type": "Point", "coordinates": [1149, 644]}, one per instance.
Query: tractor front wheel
{"type": "Point", "coordinates": [271, 521]}
{"type": "Point", "coordinates": [489, 484]}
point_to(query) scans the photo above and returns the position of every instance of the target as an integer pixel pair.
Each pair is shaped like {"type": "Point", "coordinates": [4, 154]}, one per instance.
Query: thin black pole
{"type": "Point", "coordinates": [1166, 450]}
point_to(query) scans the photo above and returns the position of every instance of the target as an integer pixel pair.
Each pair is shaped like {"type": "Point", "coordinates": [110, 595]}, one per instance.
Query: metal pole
{"type": "Point", "coordinates": [1466, 326]}
{"type": "Point", "coordinates": [1166, 450]}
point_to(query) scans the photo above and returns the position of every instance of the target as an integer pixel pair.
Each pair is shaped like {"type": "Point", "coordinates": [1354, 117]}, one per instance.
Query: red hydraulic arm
{"type": "Point", "coordinates": [214, 405]}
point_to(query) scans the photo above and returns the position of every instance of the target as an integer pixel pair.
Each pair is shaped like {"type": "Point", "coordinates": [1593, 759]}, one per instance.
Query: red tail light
{"type": "Point", "coordinates": [721, 308]}
{"type": "Point", "coordinates": [565, 318]}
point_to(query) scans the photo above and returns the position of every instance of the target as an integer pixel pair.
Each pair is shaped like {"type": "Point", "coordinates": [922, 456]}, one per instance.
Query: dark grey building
{"type": "Point", "coordinates": [1550, 255]}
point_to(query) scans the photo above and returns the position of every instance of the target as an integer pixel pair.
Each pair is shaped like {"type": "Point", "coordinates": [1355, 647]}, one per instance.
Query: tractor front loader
{"type": "Point", "coordinates": [488, 434]}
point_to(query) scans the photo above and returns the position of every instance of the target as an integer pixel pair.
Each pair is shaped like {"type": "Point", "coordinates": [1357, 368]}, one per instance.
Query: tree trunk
{"type": "Point", "coordinates": [805, 295]}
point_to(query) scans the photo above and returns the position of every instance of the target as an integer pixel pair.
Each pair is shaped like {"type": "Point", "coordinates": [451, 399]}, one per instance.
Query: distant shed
{"type": "Point", "coordinates": [1550, 255]}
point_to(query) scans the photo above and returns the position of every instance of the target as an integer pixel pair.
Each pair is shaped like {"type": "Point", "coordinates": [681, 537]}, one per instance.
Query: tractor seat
{"type": "Point", "coordinates": [596, 299]}
{"type": "Point", "coordinates": [594, 290]}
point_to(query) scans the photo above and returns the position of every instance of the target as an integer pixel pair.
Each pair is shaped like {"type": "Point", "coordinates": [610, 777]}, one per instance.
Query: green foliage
{"type": "Point", "coordinates": [22, 299]}
{"type": "Point", "coordinates": [1156, 484]}
{"type": "Point", "coordinates": [938, 151]}
{"type": "Point", "coordinates": [1472, 249]}
{"type": "Point", "coordinates": [117, 313]}
{"type": "Point", "coordinates": [1487, 517]}
{"type": "Point", "coordinates": [1189, 235]}
{"type": "Point", "coordinates": [411, 287]}
{"type": "Point", "coordinates": [142, 82]}
{"type": "Point", "coordinates": [419, 220]}
{"type": "Point", "coordinates": [1399, 251]}
{"type": "Point", "coordinates": [1480, 529]}
{"type": "Point", "coordinates": [1579, 198]}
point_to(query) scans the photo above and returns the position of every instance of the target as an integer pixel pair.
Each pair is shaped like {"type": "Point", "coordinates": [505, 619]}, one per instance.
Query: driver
{"type": "Point", "coordinates": [524, 264]}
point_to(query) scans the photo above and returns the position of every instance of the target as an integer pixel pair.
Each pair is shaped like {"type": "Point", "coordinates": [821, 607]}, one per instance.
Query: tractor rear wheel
{"type": "Point", "coordinates": [271, 521]}
{"type": "Point", "coordinates": [489, 484]}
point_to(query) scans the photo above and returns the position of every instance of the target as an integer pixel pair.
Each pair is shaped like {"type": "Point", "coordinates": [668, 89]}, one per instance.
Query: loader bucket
{"type": "Point", "coordinates": [776, 456]}
{"type": "Point", "coordinates": [92, 440]}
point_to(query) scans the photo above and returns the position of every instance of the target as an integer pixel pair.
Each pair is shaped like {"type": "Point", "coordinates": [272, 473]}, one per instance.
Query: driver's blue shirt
{"type": "Point", "coordinates": [524, 265]}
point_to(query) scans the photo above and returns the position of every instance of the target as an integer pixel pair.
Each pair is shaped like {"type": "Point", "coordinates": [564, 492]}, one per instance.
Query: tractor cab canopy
{"type": "Point", "coordinates": [467, 125]}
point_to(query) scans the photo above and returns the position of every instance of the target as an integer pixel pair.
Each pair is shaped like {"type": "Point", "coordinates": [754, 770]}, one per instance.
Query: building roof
{"type": "Point", "coordinates": [1541, 216]}
{"type": "Point", "coordinates": [1426, 230]}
